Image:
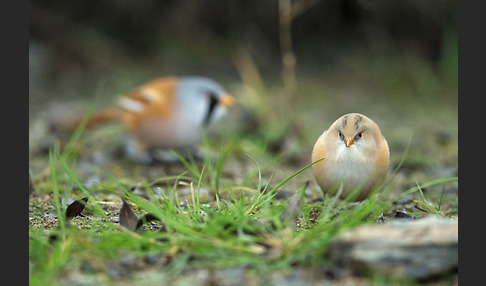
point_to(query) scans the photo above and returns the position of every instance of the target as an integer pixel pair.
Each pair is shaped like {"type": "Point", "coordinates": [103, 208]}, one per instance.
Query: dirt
{"type": "Point", "coordinates": [433, 154]}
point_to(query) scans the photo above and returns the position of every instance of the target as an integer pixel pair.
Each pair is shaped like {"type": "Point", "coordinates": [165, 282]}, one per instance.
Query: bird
{"type": "Point", "coordinates": [353, 154]}
{"type": "Point", "coordinates": [164, 113]}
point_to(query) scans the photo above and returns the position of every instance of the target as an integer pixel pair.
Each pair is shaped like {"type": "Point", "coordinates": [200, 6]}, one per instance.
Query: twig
{"type": "Point", "coordinates": [288, 11]}
{"type": "Point", "coordinates": [289, 60]}
{"type": "Point", "coordinates": [302, 6]}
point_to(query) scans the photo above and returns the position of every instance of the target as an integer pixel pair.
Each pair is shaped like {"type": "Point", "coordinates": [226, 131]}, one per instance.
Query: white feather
{"type": "Point", "coordinates": [130, 104]}
{"type": "Point", "coordinates": [350, 163]}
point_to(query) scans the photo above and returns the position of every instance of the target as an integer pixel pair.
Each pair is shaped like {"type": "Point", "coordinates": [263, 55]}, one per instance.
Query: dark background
{"type": "Point", "coordinates": [74, 44]}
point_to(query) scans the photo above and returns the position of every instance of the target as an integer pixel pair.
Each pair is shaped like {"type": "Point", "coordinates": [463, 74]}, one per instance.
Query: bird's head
{"type": "Point", "coordinates": [205, 95]}
{"type": "Point", "coordinates": [355, 129]}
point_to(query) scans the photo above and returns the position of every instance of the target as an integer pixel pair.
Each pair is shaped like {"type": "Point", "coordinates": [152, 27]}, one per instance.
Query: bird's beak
{"type": "Point", "coordinates": [226, 100]}
{"type": "Point", "coordinates": [348, 141]}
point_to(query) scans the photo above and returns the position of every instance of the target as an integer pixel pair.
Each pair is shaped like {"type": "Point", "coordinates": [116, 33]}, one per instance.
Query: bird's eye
{"type": "Point", "coordinates": [341, 136]}
{"type": "Point", "coordinates": [358, 136]}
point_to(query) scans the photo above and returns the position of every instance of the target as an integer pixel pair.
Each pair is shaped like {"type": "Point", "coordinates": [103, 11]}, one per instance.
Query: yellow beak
{"type": "Point", "coordinates": [348, 141]}
{"type": "Point", "coordinates": [226, 100]}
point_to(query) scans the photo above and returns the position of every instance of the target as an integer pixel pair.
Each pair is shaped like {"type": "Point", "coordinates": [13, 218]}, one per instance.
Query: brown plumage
{"type": "Point", "coordinates": [166, 113]}
{"type": "Point", "coordinates": [155, 98]}
{"type": "Point", "coordinates": [355, 154]}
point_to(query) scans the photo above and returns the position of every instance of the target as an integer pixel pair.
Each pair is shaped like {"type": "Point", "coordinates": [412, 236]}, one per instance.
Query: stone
{"type": "Point", "coordinates": [422, 249]}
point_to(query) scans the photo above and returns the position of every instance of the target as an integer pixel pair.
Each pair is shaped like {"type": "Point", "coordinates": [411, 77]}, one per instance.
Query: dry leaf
{"type": "Point", "coordinates": [75, 208]}
{"type": "Point", "coordinates": [127, 217]}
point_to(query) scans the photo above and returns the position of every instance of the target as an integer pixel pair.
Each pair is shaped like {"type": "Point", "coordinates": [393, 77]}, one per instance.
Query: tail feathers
{"type": "Point", "coordinates": [93, 120]}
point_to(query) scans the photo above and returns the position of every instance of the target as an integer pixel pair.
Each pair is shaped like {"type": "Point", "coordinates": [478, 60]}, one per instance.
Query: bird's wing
{"type": "Point", "coordinates": [155, 98]}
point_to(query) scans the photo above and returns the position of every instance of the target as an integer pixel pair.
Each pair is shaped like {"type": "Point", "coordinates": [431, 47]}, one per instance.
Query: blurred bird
{"type": "Point", "coordinates": [166, 113]}
{"type": "Point", "coordinates": [355, 155]}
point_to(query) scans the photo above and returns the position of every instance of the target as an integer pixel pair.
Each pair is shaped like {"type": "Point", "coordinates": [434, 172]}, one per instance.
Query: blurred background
{"type": "Point", "coordinates": [294, 66]}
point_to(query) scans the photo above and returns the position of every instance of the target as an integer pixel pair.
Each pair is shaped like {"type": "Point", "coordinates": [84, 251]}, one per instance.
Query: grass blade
{"type": "Point", "coordinates": [55, 189]}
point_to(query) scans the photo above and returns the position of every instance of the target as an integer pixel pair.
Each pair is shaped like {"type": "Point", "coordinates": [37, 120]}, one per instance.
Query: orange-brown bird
{"type": "Point", "coordinates": [166, 113]}
{"type": "Point", "coordinates": [355, 155]}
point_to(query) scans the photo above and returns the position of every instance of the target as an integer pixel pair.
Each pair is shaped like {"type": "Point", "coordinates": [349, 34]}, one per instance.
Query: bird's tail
{"type": "Point", "coordinates": [88, 121]}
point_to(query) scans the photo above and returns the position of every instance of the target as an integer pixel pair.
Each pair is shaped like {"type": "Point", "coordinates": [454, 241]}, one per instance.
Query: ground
{"type": "Point", "coordinates": [239, 237]}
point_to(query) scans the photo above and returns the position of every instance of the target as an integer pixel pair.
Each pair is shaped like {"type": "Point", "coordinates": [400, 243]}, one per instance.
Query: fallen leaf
{"type": "Point", "coordinates": [127, 217]}
{"type": "Point", "coordinates": [75, 208]}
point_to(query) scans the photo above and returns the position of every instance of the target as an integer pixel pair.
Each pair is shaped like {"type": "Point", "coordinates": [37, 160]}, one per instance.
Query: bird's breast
{"type": "Point", "coordinates": [168, 134]}
{"type": "Point", "coordinates": [350, 165]}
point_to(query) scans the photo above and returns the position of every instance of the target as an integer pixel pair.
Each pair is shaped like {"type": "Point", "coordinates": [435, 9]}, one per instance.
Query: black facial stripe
{"type": "Point", "coordinates": [213, 101]}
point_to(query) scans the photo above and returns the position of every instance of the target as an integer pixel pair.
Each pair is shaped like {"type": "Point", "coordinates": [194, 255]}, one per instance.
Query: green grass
{"type": "Point", "coordinates": [245, 225]}
{"type": "Point", "coordinates": [250, 228]}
